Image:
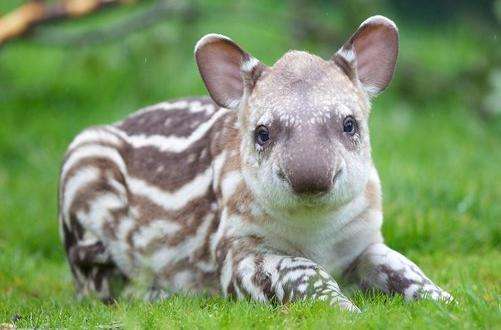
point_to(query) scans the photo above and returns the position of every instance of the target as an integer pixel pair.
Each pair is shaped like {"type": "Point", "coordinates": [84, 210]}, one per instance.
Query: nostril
{"type": "Point", "coordinates": [281, 175]}
{"type": "Point", "coordinates": [336, 176]}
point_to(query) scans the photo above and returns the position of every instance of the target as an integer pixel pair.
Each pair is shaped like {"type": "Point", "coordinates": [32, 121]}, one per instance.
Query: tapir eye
{"type": "Point", "coordinates": [350, 125]}
{"type": "Point", "coordinates": [262, 135]}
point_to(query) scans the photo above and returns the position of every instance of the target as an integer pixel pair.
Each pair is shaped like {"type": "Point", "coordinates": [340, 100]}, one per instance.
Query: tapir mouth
{"type": "Point", "coordinates": [336, 176]}
{"type": "Point", "coordinates": [319, 200]}
{"type": "Point", "coordinates": [316, 200]}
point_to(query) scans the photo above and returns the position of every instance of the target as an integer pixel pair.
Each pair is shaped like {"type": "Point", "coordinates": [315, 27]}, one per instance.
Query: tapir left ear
{"type": "Point", "coordinates": [370, 54]}
{"type": "Point", "coordinates": [226, 69]}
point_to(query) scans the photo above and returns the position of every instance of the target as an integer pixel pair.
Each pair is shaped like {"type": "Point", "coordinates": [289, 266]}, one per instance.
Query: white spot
{"type": "Point", "coordinates": [191, 158]}
{"type": "Point", "coordinates": [203, 153]}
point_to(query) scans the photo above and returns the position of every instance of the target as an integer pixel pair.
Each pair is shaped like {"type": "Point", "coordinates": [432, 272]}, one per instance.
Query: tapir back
{"type": "Point", "coordinates": [145, 187]}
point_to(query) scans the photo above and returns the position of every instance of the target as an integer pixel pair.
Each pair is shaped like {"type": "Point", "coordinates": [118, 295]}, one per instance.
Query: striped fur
{"type": "Point", "coordinates": [179, 197]}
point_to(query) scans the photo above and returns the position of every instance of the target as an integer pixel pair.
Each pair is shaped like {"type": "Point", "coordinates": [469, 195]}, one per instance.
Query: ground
{"type": "Point", "coordinates": [439, 163]}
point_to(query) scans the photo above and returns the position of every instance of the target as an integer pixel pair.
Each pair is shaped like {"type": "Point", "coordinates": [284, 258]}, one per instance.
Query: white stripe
{"type": "Point", "coordinates": [298, 262]}
{"type": "Point", "coordinates": [163, 106]}
{"type": "Point", "coordinates": [171, 143]}
{"type": "Point", "coordinates": [154, 230]}
{"type": "Point", "coordinates": [240, 295]}
{"type": "Point", "coordinates": [270, 263]}
{"type": "Point", "coordinates": [207, 266]}
{"type": "Point", "coordinates": [166, 255]}
{"type": "Point", "coordinates": [218, 235]}
{"type": "Point", "coordinates": [172, 200]}
{"type": "Point", "coordinates": [120, 248]}
{"type": "Point", "coordinates": [247, 269]}
{"type": "Point", "coordinates": [99, 211]}
{"type": "Point", "coordinates": [82, 178]}
{"type": "Point", "coordinates": [296, 274]}
{"type": "Point", "coordinates": [230, 183]}
{"type": "Point", "coordinates": [118, 186]}
{"type": "Point", "coordinates": [226, 273]}
{"type": "Point", "coordinates": [197, 106]}
{"type": "Point", "coordinates": [217, 165]}
{"type": "Point", "coordinates": [301, 287]}
{"type": "Point", "coordinates": [95, 135]}
{"type": "Point", "coordinates": [97, 151]}
{"type": "Point", "coordinates": [193, 106]}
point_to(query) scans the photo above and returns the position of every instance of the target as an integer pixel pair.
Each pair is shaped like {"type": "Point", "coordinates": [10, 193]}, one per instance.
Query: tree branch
{"type": "Point", "coordinates": [117, 30]}
{"type": "Point", "coordinates": [35, 12]}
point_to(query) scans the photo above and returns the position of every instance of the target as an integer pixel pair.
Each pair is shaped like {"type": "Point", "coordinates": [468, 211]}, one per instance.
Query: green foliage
{"type": "Point", "coordinates": [438, 161]}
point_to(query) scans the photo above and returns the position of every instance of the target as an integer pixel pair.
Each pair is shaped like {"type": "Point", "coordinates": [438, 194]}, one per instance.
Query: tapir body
{"type": "Point", "coordinates": [266, 190]}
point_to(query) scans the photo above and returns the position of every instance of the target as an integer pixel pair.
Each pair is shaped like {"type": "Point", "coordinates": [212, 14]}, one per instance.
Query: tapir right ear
{"type": "Point", "coordinates": [228, 72]}
{"type": "Point", "coordinates": [370, 54]}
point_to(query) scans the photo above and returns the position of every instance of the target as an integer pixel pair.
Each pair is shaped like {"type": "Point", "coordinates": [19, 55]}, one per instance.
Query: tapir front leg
{"type": "Point", "coordinates": [247, 270]}
{"type": "Point", "coordinates": [382, 268]}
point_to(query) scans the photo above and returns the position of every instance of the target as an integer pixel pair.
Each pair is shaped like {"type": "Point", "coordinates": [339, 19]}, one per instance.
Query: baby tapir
{"type": "Point", "coordinates": [266, 191]}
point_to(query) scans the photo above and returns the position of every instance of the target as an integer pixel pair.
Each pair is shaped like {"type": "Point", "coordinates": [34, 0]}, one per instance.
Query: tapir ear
{"type": "Point", "coordinates": [227, 71]}
{"type": "Point", "coordinates": [370, 54]}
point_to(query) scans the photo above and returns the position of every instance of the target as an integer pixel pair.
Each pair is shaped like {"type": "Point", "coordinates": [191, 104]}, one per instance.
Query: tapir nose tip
{"type": "Point", "coordinates": [316, 187]}
{"type": "Point", "coordinates": [311, 181]}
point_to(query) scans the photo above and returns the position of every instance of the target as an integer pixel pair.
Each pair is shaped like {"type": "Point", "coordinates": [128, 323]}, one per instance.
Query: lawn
{"type": "Point", "coordinates": [439, 163]}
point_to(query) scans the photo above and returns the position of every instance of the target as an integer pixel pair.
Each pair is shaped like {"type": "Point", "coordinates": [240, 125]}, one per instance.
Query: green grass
{"type": "Point", "coordinates": [438, 161]}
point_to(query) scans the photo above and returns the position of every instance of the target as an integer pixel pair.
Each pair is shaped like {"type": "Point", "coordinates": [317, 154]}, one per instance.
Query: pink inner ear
{"type": "Point", "coordinates": [219, 62]}
{"type": "Point", "coordinates": [376, 47]}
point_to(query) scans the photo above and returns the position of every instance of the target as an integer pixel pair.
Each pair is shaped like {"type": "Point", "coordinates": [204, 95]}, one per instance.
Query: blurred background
{"type": "Point", "coordinates": [436, 131]}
